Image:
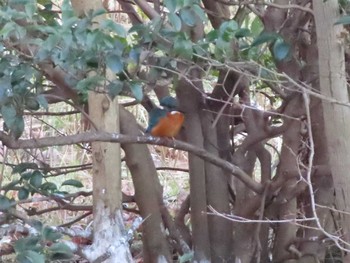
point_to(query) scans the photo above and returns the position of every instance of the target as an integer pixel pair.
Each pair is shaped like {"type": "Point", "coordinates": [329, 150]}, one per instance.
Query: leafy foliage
{"type": "Point", "coordinates": [44, 246]}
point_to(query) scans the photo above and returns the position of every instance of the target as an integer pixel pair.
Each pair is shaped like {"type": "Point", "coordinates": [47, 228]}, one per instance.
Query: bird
{"type": "Point", "coordinates": [166, 121]}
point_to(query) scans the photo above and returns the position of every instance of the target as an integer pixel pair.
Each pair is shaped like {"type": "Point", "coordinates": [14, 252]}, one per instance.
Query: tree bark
{"type": "Point", "coordinates": [190, 100]}
{"type": "Point", "coordinates": [147, 193]}
{"type": "Point", "coordinates": [336, 117]}
{"type": "Point", "coordinates": [109, 237]}
{"type": "Point", "coordinates": [109, 233]}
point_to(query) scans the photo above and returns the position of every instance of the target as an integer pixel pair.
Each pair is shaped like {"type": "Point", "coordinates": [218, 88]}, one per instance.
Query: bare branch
{"type": "Point", "coordinates": [126, 139]}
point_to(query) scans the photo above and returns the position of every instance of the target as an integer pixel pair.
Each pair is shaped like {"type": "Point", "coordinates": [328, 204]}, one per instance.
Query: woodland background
{"type": "Point", "coordinates": [259, 172]}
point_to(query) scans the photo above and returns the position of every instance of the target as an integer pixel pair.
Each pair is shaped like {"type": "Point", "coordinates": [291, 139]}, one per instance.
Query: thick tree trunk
{"type": "Point", "coordinates": [109, 237]}
{"type": "Point", "coordinates": [220, 229]}
{"type": "Point", "coordinates": [190, 103]}
{"type": "Point", "coordinates": [322, 181]}
{"type": "Point", "coordinates": [109, 234]}
{"type": "Point", "coordinates": [333, 85]}
{"type": "Point", "coordinates": [147, 193]}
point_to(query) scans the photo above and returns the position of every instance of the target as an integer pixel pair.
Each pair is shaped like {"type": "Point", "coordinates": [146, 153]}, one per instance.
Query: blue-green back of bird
{"type": "Point", "coordinates": [154, 116]}
{"type": "Point", "coordinates": [169, 103]}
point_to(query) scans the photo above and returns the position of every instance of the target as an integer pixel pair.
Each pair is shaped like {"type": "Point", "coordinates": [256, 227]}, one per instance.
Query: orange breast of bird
{"type": "Point", "coordinates": [169, 126]}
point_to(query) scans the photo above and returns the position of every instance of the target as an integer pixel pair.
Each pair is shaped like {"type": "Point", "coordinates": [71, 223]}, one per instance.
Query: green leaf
{"type": "Point", "coordinates": [8, 28]}
{"type": "Point", "coordinates": [344, 20]}
{"type": "Point", "coordinates": [188, 16]}
{"type": "Point", "coordinates": [115, 88]}
{"type": "Point", "coordinates": [36, 179]}
{"type": "Point", "coordinates": [98, 12]}
{"type": "Point", "coordinates": [30, 257]}
{"type": "Point", "coordinates": [27, 243]}
{"type": "Point", "coordinates": [227, 30]}
{"type": "Point", "coordinates": [48, 186]}
{"type": "Point", "coordinates": [23, 193]}
{"type": "Point", "coordinates": [186, 257]}
{"type": "Point", "coordinates": [42, 101]}
{"type": "Point", "coordinates": [36, 224]}
{"type": "Point", "coordinates": [136, 89]}
{"type": "Point", "coordinates": [9, 113]}
{"type": "Point", "coordinates": [175, 21]}
{"type": "Point", "coordinates": [183, 48]}
{"type": "Point", "coordinates": [52, 41]}
{"type": "Point", "coordinates": [242, 32]}
{"type": "Point", "coordinates": [256, 26]}
{"type": "Point", "coordinates": [90, 83]}
{"type": "Point", "coordinates": [18, 127]}
{"type": "Point", "coordinates": [281, 49]}
{"type": "Point", "coordinates": [212, 35]}
{"type": "Point", "coordinates": [73, 182]}
{"type": "Point", "coordinates": [20, 168]}
{"type": "Point", "coordinates": [200, 12]}
{"type": "Point", "coordinates": [67, 10]}
{"type": "Point", "coordinates": [31, 103]}
{"type": "Point", "coordinates": [171, 5]}
{"type": "Point", "coordinates": [12, 185]}
{"type": "Point", "coordinates": [30, 9]}
{"type": "Point", "coordinates": [264, 37]}
{"type": "Point", "coordinates": [115, 64]}
{"type": "Point", "coordinates": [50, 234]}
{"type": "Point", "coordinates": [5, 203]}
{"type": "Point", "coordinates": [117, 28]}
{"type": "Point", "coordinates": [60, 251]}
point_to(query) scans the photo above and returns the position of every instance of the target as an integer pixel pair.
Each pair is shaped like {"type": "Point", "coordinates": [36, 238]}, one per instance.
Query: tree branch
{"type": "Point", "coordinates": [126, 139]}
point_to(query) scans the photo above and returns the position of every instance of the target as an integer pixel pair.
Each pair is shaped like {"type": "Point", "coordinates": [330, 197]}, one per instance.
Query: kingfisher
{"type": "Point", "coordinates": [166, 121]}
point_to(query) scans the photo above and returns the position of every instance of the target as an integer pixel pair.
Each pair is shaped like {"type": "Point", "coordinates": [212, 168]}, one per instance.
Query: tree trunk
{"type": "Point", "coordinates": [147, 193]}
{"type": "Point", "coordinates": [190, 100]}
{"type": "Point", "coordinates": [109, 234]}
{"type": "Point", "coordinates": [333, 86]}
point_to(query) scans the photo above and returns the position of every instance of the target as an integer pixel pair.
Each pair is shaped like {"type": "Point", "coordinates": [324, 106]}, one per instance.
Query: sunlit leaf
{"type": "Point", "coordinates": [256, 26]}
